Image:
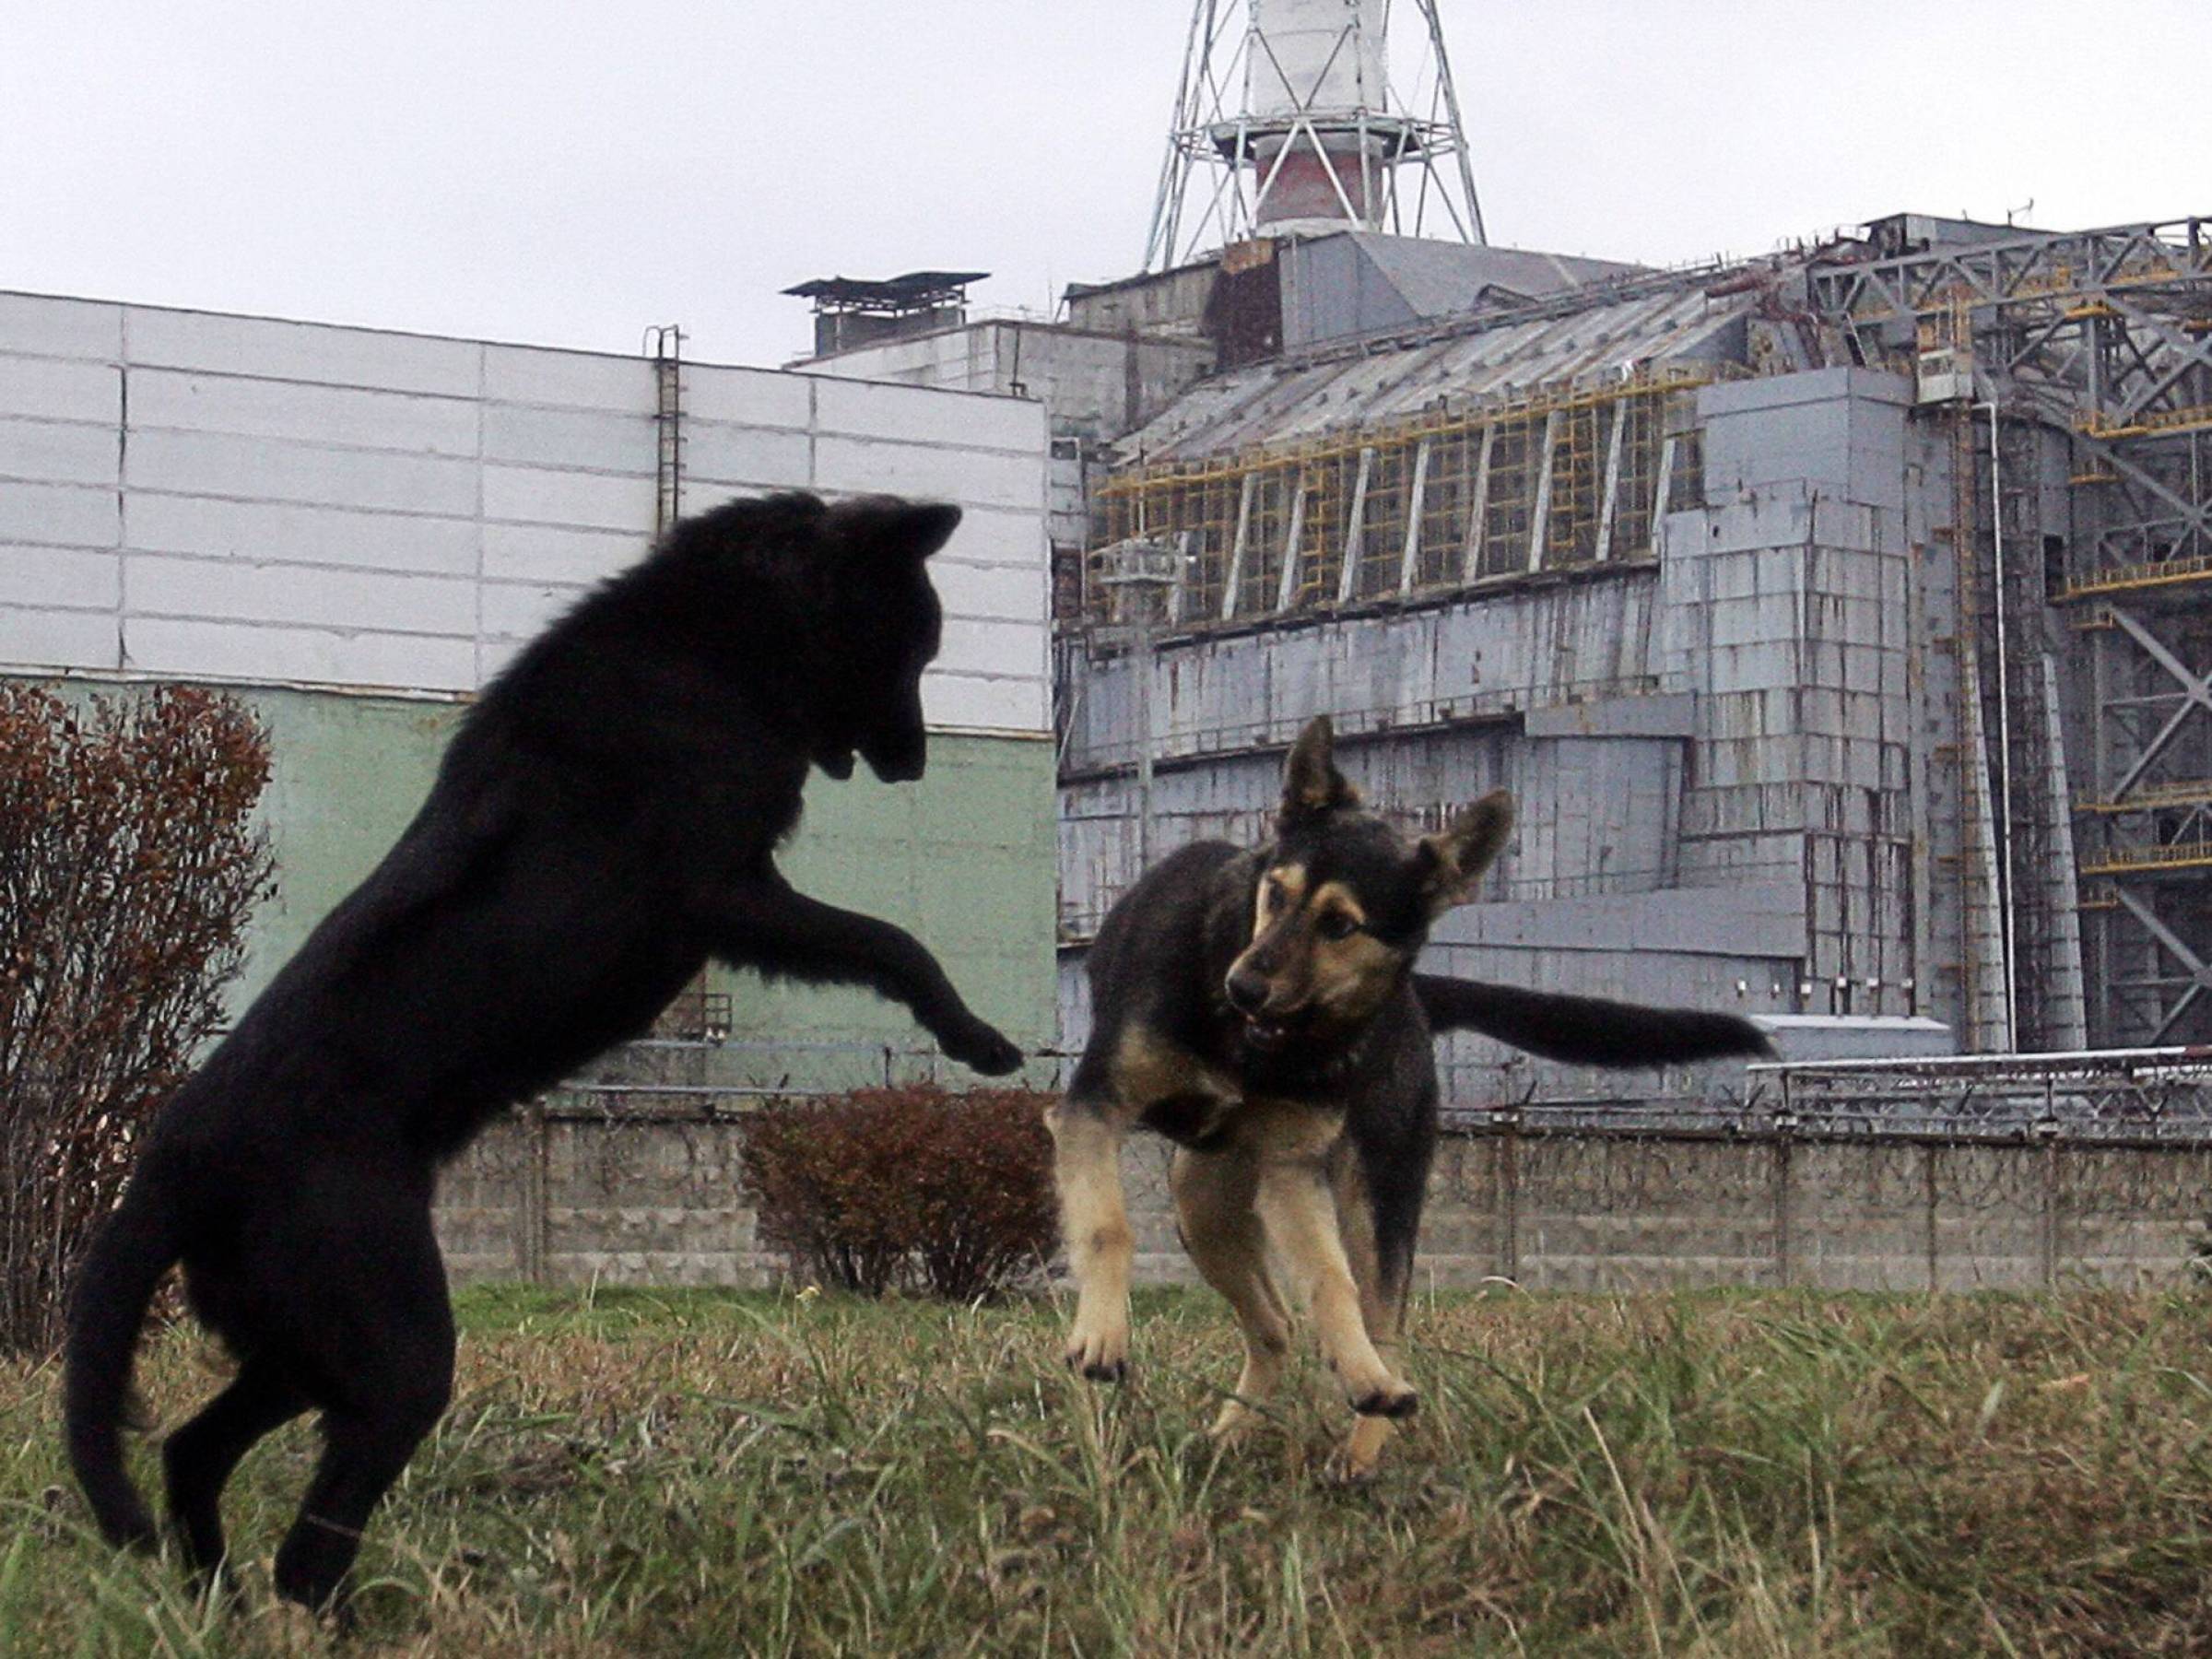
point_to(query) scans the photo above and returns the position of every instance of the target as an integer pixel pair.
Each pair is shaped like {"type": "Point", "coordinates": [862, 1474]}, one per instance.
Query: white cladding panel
{"type": "Point", "coordinates": [238, 498]}
{"type": "Point", "coordinates": [1326, 56]}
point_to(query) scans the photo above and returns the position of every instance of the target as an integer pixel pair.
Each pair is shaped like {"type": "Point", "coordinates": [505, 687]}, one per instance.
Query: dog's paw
{"type": "Point", "coordinates": [1355, 1461]}
{"type": "Point", "coordinates": [1099, 1355]}
{"type": "Point", "coordinates": [1234, 1423]}
{"type": "Point", "coordinates": [1394, 1400]}
{"type": "Point", "coordinates": [983, 1048]}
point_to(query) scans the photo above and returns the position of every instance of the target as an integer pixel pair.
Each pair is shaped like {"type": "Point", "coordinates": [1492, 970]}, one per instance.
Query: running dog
{"type": "Point", "coordinates": [604, 821]}
{"type": "Point", "coordinates": [1260, 1009]}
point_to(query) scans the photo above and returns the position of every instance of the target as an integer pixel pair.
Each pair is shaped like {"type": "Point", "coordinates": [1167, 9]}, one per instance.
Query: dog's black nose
{"type": "Point", "coordinates": [1247, 990]}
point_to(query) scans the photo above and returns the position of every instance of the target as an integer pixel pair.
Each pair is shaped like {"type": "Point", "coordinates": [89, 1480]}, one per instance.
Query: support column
{"type": "Point", "coordinates": [1235, 579]}
{"type": "Point", "coordinates": [1478, 510]}
{"type": "Point", "coordinates": [1612, 495]}
{"type": "Point", "coordinates": [1409, 557]}
{"type": "Point", "coordinates": [1539, 520]}
{"type": "Point", "coordinates": [1355, 531]}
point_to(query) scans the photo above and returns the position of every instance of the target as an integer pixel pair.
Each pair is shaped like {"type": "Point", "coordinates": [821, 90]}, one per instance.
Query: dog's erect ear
{"type": "Point", "coordinates": [1454, 859]}
{"type": "Point", "coordinates": [892, 526]}
{"type": "Point", "coordinates": [1312, 785]}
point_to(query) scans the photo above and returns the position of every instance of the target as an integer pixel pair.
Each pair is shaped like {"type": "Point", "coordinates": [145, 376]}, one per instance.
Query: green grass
{"type": "Point", "coordinates": [1724, 1474]}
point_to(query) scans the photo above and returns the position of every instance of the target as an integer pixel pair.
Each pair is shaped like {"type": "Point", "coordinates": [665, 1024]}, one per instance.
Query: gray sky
{"type": "Point", "coordinates": [567, 173]}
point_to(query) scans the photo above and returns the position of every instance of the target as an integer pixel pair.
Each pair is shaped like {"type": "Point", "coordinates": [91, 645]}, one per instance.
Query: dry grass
{"type": "Point", "coordinates": [1720, 1475]}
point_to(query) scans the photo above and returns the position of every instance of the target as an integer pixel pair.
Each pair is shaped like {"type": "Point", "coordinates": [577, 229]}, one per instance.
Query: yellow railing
{"type": "Point", "coordinates": [2136, 860]}
{"type": "Point", "coordinates": [2118, 579]}
{"type": "Point", "coordinates": [2097, 424]}
{"type": "Point", "coordinates": [2195, 793]}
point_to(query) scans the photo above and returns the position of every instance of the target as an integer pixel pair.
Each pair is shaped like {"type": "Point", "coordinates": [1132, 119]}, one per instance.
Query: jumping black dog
{"type": "Point", "coordinates": [1260, 1009]}
{"type": "Point", "coordinates": [603, 822]}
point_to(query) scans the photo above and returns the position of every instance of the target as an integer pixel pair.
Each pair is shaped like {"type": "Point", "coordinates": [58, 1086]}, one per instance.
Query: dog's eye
{"type": "Point", "coordinates": [1337, 925]}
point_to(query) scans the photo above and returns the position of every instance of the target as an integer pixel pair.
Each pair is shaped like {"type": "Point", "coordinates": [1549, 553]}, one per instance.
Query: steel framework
{"type": "Point", "coordinates": [2104, 337]}
{"type": "Point", "coordinates": [1567, 475]}
{"type": "Point", "coordinates": [1243, 122]}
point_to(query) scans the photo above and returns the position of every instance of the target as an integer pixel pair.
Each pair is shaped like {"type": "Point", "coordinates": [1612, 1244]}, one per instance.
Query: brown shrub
{"type": "Point", "coordinates": [129, 865]}
{"type": "Point", "coordinates": [910, 1188]}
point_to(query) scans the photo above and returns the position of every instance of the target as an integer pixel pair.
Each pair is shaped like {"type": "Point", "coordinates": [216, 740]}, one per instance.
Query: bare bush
{"type": "Point", "coordinates": [129, 865]}
{"type": "Point", "coordinates": [912, 1188]}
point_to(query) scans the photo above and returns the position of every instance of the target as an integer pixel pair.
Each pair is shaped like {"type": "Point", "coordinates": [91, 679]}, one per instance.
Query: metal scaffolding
{"type": "Point", "coordinates": [1567, 476]}
{"type": "Point", "coordinates": [1287, 110]}
{"type": "Point", "coordinates": [2105, 338]}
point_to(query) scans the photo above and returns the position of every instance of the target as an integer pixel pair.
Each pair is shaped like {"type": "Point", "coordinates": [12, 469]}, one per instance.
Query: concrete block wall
{"type": "Point", "coordinates": [235, 499]}
{"type": "Point", "coordinates": [649, 1202]}
{"type": "Point", "coordinates": [1787, 605]}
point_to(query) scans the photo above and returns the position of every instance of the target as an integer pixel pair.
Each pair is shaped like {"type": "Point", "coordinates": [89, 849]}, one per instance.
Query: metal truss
{"type": "Point", "coordinates": [2107, 336]}
{"type": "Point", "coordinates": [1240, 121]}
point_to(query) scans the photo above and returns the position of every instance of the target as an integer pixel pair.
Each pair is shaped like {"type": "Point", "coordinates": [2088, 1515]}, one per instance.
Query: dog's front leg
{"type": "Point", "coordinates": [765, 924]}
{"type": "Point", "coordinates": [1297, 1212]}
{"type": "Point", "coordinates": [1087, 1132]}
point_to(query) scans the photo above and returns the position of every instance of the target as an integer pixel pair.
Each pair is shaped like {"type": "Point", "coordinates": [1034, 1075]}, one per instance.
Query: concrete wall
{"type": "Point", "coordinates": [1096, 384]}
{"type": "Point", "coordinates": [235, 499]}
{"type": "Point", "coordinates": [569, 1200]}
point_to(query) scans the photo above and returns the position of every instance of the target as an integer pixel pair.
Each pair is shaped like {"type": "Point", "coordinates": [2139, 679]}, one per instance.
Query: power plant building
{"type": "Point", "coordinates": [1837, 618]}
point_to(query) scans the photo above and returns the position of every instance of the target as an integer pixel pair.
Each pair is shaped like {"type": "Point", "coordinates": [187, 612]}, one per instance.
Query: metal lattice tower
{"type": "Point", "coordinates": [2103, 340]}
{"type": "Point", "coordinates": [1289, 117]}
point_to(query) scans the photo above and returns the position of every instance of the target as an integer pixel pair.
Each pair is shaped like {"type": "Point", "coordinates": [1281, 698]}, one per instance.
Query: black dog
{"type": "Point", "coordinates": [605, 822]}
{"type": "Point", "coordinates": [1260, 1008]}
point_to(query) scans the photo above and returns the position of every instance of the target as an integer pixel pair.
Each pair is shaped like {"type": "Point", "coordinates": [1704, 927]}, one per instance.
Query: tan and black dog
{"type": "Point", "coordinates": [1260, 1009]}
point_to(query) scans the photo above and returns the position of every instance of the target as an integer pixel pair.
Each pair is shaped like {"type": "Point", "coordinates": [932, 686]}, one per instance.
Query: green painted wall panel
{"type": "Point", "coordinates": [964, 859]}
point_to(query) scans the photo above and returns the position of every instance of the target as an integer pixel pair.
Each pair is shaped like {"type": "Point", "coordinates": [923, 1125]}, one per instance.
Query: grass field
{"type": "Point", "coordinates": [1724, 1474]}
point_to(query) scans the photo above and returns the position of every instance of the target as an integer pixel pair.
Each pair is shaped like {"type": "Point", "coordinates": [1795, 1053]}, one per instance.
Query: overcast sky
{"type": "Point", "coordinates": [568, 173]}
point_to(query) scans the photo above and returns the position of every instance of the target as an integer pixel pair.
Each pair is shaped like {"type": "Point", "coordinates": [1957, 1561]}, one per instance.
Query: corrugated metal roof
{"type": "Point", "coordinates": [1286, 402]}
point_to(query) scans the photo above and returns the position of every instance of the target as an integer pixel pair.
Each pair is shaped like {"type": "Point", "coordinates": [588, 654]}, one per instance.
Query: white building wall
{"type": "Point", "coordinates": [232, 498]}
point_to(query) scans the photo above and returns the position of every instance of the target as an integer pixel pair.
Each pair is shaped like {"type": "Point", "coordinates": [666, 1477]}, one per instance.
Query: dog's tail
{"type": "Point", "coordinates": [1585, 1031]}
{"type": "Point", "coordinates": [114, 1284]}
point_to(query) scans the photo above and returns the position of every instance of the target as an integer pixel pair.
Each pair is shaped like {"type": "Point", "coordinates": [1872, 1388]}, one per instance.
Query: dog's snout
{"type": "Point", "coordinates": [1247, 989]}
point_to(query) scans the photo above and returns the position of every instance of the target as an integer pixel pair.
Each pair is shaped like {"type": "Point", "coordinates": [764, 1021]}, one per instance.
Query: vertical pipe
{"type": "Point", "coordinates": [1141, 666]}
{"type": "Point", "coordinates": [2003, 812]}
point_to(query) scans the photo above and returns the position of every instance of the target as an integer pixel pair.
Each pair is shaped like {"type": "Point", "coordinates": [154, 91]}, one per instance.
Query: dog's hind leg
{"type": "Point", "coordinates": [199, 1458]}
{"type": "Point", "coordinates": [1214, 1193]}
{"type": "Point", "coordinates": [387, 1344]}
